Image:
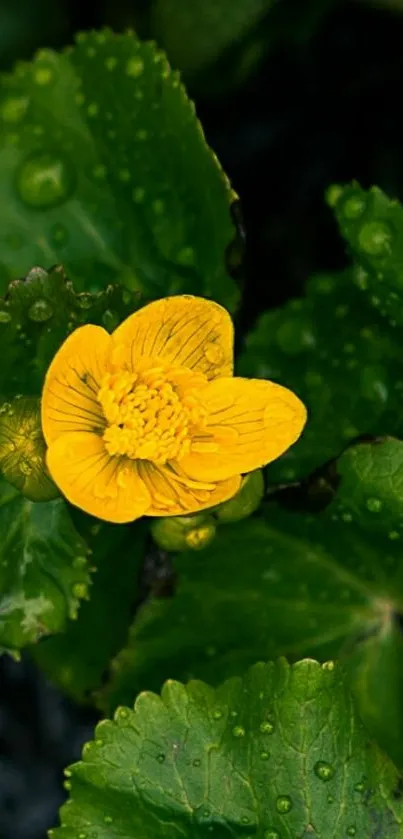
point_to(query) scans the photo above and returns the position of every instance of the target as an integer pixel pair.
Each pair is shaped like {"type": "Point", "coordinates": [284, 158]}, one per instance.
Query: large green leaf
{"type": "Point", "coordinates": [78, 658]}
{"type": "Point", "coordinates": [339, 355]}
{"type": "Point", "coordinates": [372, 224]}
{"type": "Point", "coordinates": [289, 583]}
{"type": "Point", "coordinates": [43, 568]}
{"type": "Point", "coordinates": [36, 316]}
{"type": "Point", "coordinates": [278, 754]}
{"type": "Point", "coordinates": [104, 167]}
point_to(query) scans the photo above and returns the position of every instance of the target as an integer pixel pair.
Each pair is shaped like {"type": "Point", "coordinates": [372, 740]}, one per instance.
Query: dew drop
{"type": "Point", "coordinates": [375, 238]}
{"type": "Point", "coordinates": [79, 562]}
{"type": "Point", "coordinates": [283, 804]}
{"type": "Point", "coordinates": [80, 590]}
{"type": "Point", "coordinates": [264, 755]}
{"type": "Point", "coordinates": [328, 665]}
{"type": "Point", "coordinates": [271, 833]}
{"type": "Point", "coordinates": [121, 714]}
{"type": "Point", "coordinates": [99, 172]}
{"type": "Point", "coordinates": [111, 62]}
{"type": "Point", "coordinates": [124, 175]}
{"type": "Point", "coordinates": [138, 194]}
{"type": "Point", "coordinates": [82, 835]}
{"type": "Point", "coordinates": [394, 535]}
{"type": "Point", "coordinates": [196, 762]}
{"type": "Point", "coordinates": [374, 505]}
{"type": "Point", "coordinates": [360, 787]}
{"type": "Point", "coordinates": [14, 108]}
{"type": "Point", "coordinates": [43, 76]}
{"type": "Point", "coordinates": [324, 770]}
{"type": "Point", "coordinates": [45, 180]}
{"type": "Point", "coordinates": [5, 317]}
{"type": "Point", "coordinates": [84, 300]}
{"type": "Point", "coordinates": [238, 731]}
{"type": "Point", "coordinates": [330, 799]}
{"type": "Point", "coordinates": [266, 727]}
{"type": "Point", "coordinates": [108, 819]}
{"type": "Point", "coordinates": [40, 311]}
{"type": "Point", "coordinates": [135, 66]}
{"type": "Point", "coordinates": [245, 820]}
{"type": "Point", "coordinates": [161, 758]}
{"type": "Point", "coordinates": [158, 207]}
{"type": "Point", "coordinates": [353, 207]}
{"type": "Point", "coordinates": [217, 715]}
{"type": "Point", "coordinates": [351, 831]}
{"type": "Point", "coordinates": [93, 109]}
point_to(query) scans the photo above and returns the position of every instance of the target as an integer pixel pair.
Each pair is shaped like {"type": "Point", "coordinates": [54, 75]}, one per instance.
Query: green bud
{"type": "Point", "coordinates": [181, 533]}
{"type": "Point", "coordinates": [22, 449]}
{"type": "Point", "coordinates": [245, 502]}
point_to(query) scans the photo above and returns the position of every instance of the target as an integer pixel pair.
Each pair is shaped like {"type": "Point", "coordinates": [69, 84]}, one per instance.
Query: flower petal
{"type": "Point", "coordinates": [184, 330]}
{"type": "Point", "coordinates": [69, 400]}
{"type": "Point", "coordinates": [174, 494]}
{"type": "Point", "coordinates": [107, 487]}
{"type": "Point", "coordinates": [250, 422]}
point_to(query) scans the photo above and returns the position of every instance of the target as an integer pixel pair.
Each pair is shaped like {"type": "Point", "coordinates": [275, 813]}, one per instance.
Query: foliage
{"type": "Point", "coordinates": [111, 198]}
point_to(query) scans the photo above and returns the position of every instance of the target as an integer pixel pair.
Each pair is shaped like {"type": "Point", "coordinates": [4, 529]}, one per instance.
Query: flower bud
{"type": "Point", "coordinates": [181, 533]}
{"type": "Point", "coordinates": [22, 449]}
{"type": "Point", "coordinates": [245, 502]}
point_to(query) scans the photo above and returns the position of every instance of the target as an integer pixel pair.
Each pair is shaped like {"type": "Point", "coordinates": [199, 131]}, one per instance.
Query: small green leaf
{"type": "Point", "coordinates": [36, 316]}
{"type": "Point", "coordinates": [104, 167]}
{"type": "Point", "coordinates": [333, 350]}
{"type": "Point", "coordinates": [277, 754]}
{"type": "Point", "coordinates": [78, 658]}
{"type": "Point", "coordinates": [43, 568]}
{"type": "Point", "coordinates": [372, 225]}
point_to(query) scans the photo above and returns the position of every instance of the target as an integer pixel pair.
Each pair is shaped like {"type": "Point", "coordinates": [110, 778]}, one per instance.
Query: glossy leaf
{"type": "Point", "coordinates": [290, 584]}
{"type": "Point", "coordinates": [337, 353]}
{"type": "Point", "coordinates": [372, 225]}
{"type": "Point", "coordinates": [43, 568]}
{"type": "Point", "coordinates": [36, 316]}
{"type": "Point", "coordinates": [78, 658]}
{"type": "Point", "coordinates": [278, 753]}
{"type": "Point", "coordinates": [116, 187]}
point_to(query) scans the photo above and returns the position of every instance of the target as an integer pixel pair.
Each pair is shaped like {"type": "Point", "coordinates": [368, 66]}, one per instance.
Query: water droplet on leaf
{"type": "Point", "coordinates": [374, 505]}
{"type": "Point", "coordinates": [40, 311]}
{"type": "Point", "coordinates": [283, 804]}
{"type": "Point", "coordinates": [267, 727]}
{"type": "Point", "coordinates": [161, 758]}
{"type": "Point", "coordinates": [14, 108]}
{"type": "Point", "coordinates": [135, 66]}
{"type": "Point", "coordinates": [45, 180]}
{"type": "Point", "coordinates": [375, 238]}
{"type": "Point", "coordinates": [5, 317]}
{"type": "Point", "coordinates": [238, 731]}
{"type": "Point", "coordinates": [324, 771]}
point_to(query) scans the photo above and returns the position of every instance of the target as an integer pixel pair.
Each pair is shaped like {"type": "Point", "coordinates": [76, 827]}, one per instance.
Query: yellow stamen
{"type": "Point", "coordinates": [150, 414]}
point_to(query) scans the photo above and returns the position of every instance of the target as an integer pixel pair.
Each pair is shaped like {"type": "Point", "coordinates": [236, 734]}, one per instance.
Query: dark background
{"type": "Point", "coordinates": [324, 105]}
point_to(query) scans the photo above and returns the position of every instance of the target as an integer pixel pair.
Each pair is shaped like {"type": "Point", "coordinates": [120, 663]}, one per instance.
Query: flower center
{"type": "Point", "coordinates": [150, 414]}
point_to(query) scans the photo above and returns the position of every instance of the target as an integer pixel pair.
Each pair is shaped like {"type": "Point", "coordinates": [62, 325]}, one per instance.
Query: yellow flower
{"type": "Point", "coordinates": [149, 420]}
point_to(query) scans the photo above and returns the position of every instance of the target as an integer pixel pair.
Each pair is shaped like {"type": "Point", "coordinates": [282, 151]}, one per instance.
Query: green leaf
{"type": "Point", "coordinates": [278, 754]}
{"type": "Point", "coordinates": [195, 34]}
{"type": "Point", "coordinates": [43, 568]}
{"type": "Point", "coordinates": [104, 167]}
{"type": "Point", "coordinates": [36, 316]}
{"type": "Point", "coordinates": [290, 584]}
{"type": "Point", "coordinates": [78, 658]}
{"type": "Point", "coordinates": [372, 225]}
{"type": "Point", "coordinates": [334, 351]}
